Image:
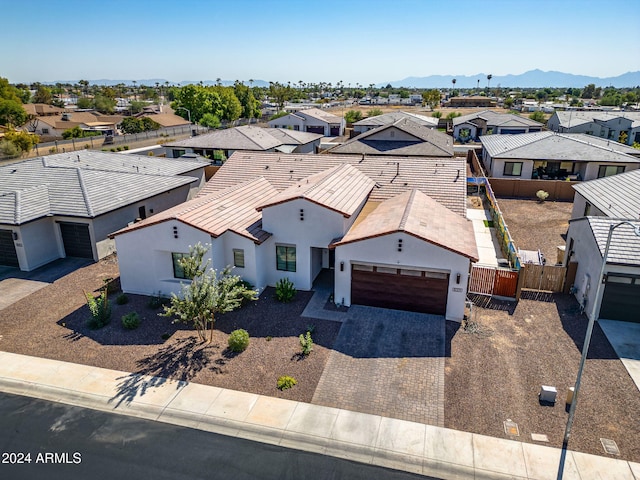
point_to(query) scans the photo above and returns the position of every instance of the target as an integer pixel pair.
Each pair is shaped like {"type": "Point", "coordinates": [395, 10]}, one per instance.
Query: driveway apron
{"type": "Point", "coordinates": [389, 363]}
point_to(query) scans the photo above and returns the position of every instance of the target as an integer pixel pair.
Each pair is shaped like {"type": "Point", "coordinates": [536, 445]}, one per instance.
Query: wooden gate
{"type": "Point", "coordinates": [485, 280]}
{"type": "Point", "coordinates": [543, 278]}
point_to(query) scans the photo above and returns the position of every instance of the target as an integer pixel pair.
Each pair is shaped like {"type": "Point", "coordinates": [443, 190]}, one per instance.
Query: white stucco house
{"type": "Point", "coordinates": [598, 204]}
{"type": "Point", "coordinates": [550, 155]}
{"type": "Point", "coordinates": [312, 120]}
{"type": "Point", "coordinates": [381, 227]}
{"type": "Point", "coordinates": [66, 204]}
{"type": "Point", "coordinates": [607, 125]}
{"type": "Point", "coordinates": [221, 144]}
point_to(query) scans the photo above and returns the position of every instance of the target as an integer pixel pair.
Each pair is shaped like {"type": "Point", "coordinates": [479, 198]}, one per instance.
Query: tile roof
{"type": "Point", "coordinates": [427, 142]}
{"type": "Point", "coordinates": [319, 115]}
{"type": "Point", "coordinates": [79, 118]}
{"type": "Point", "coordinates": [35, 188]}
{"type": "Point", "coordinates": [42, 109]}
{"type": "Point", "coordinates": [496, 119]}
{"type": "Point", "coordinates": [555, 146]}
{"type": "Point", "coordinates": [417, 214]}
{"type": "Point", "coordinates": [392, 117]}
{"type": "Point", "coordinates": [342, 188]}
{"type": "Point", "coordinates": [167, 119]}
{"type": "Point", "coordinates": [624, 248]}
{"type": "Point", "coordinates": [441, 178]}
{"type": "Point", "coordinates": [616, 196]}
{"type": "Point", "coordinates": [230, 209]}
{"type": "Point", "coordinates": [246, 138]}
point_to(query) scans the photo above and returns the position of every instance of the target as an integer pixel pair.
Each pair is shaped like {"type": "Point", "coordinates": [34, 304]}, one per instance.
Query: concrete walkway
{"type": "Point", "coordinates": [488, 246]}
{"type": "Point", "coordinates": [361, 437]}
{"type": "Point", "coordinates": [624, 337]}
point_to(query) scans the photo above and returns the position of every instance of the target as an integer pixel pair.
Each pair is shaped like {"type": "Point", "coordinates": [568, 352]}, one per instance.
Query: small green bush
{"type": "Point", "coordinates": [131, 321]}
{"type": "Point", "coordinates": [238, 340]}
{"type": "Point", "coordinates": [306, 343]}
{"type": "Point", "coordinates": [100, 309]}
{"type": "Point", "coordinates": [119, 149]}
{"type": "Point", "coordinates": [122, 299]}
{"type": "Point", "coordinates": [286, 382]}
{"type": "Point", "coordinates": [542, 195]}
{"type": "Point", "coordinates": [125, 147]}
{"type": "Point", "coordinates": [112, 149]}
{"type": "Point", "coordinates": [285, 290]}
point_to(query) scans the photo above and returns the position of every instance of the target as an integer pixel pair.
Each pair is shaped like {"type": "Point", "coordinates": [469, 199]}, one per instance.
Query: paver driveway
{"type": "Point", "coordinates": [389, 363]}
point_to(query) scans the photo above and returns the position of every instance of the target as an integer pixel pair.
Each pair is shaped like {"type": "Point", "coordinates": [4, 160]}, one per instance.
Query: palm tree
{"type": "Point", "coordinates": [489, 77]}
{"type": "Point", "coordinates": [453, 81]}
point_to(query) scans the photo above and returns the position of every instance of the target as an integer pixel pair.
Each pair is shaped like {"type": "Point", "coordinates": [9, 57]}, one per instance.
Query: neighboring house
{"type": "Point", "coordinates": [474, 125]}
{"type": "Point", "coordinates": [470, 102]}
{"type": "Point", "coordinates": [370, 123]}
{"type": "Point", "coordinates": [608, 125]}
{"type": "Point", "coordinates": [586, 240]}
{"type": "Point", "coordinates": [67, 204]}
{"type": "Point", "coordinates": [55, 125]}
{"type": "Point", "coordinates": [221, 144]}
{"type": "Point", "coordinates": [400, 138]}
{"type": "Point", "coordinates": [42, 109]}
{"type": "Point", "coordinates": [597, 205]}
{"type": "Point", "coordinates": [166, 120]}
{"type": "Point", "coordinates": [312, 120]}
{"type": "Point", "coordinates": [550, 155]}
{"type": "Point", "coordinates": [381, 225]}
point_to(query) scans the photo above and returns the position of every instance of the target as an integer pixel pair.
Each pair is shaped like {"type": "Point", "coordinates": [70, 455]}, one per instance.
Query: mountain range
{"type": "Point", "coordinates": [530, 79]}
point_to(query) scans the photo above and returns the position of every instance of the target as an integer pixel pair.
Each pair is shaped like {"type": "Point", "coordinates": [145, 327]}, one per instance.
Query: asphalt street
{"type": "Point", "coordinates": [46, 440]}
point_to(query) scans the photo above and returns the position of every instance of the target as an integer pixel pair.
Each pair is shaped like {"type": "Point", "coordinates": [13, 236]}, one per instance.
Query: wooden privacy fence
{"type": "Point", "coordinates": [487, 280]}
{"type": "Point", "coordinates": [543, 278]}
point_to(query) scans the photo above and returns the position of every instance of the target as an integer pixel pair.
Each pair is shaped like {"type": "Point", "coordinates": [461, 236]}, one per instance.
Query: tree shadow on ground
{"type": "Point", "coordinates": [180, 361]}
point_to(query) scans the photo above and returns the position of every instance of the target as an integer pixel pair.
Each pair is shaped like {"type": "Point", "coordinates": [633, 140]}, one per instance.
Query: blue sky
{"type": "Point", "coordinates": [284, 40]}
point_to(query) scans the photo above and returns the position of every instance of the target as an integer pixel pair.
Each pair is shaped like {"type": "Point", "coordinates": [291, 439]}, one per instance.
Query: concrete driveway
{"type": "Point", "coordinates": [15, 284]}
{"type": "Point", "coordinates": [624, 337]}
{"type": "Point", "coordinates": [389, 363]}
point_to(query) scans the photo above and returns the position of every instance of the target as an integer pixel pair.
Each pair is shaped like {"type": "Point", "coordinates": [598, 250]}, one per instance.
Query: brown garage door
{"type": "Point", "coordinates": [400, 289]}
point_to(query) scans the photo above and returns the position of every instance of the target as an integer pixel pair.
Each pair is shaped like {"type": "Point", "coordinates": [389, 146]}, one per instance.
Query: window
{"type": "Point", "coordinates": [45, 131]}
{"type": "Point", "coordinates": [512, 169]}
{"type": "Point", "coordinates": [608, 170]}
{"type": "Point", "coordinates": [238, 258]}
{"type": "Point", "coordinates": [178, 271]}
{"type": "Point", "coordinates": [286, 258]}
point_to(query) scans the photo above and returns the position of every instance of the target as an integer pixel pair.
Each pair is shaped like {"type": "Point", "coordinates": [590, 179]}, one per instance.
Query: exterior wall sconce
{"type": "Point", "coordinates": [458, 276]}
{"type": "Point", "coordinates": [301, 215]}
{"type": "Point", "coordinates": [175, 232]}
{"type": "Point", "coordinates": [342, 266]}
{"type": "Point", "coordinates": [399, 244]}
{"type": "Point", "coordinates": [15, 235]}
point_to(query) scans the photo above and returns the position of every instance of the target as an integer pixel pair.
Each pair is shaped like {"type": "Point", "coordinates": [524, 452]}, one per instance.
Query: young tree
{"type": "Point", "coordinates": [353, 116]}
{"type": "Point", "coordinates": [538, 116]}
{"type": "Point", "coordinates": [207, 294]}
{"type": "Point", "coordinates": [25, 141]}
{"type": "Point", "coordinates": [431, 98]}
{"type": "Point", "coordinates": [43, 95]}
{"type": "Point", "coordinates": [209, 120]}
{"type": "Point", "coordinates": [374, 112]}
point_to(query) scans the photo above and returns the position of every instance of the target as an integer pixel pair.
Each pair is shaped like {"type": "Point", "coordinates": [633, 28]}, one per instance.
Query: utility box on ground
{"type": "Point", "coordinates": [548, 394]}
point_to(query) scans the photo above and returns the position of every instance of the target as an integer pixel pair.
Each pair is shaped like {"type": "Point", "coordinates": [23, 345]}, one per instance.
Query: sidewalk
{"type": "Point", "coordinates": [398, 444]}
{"type": "Point", "coordinates": [488, 246]}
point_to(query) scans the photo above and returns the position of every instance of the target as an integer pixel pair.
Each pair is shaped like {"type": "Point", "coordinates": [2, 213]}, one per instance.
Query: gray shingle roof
{"type": "Point", "coordinates": [426, 142]}
{"type": "Point", "coordinates": [35, 188]}
{"type": "Point", "coordinates": [442, 178]}
{"type": "Point", "coordinates": [247, 138]}
{"type": "Point", "coordinates": [496, 119]}
{"type": "Point", "coordinates": [570, 119]}
{"type": "Point", "coordinates": [625, 244]}
{"type": "Point", "coordinates": [555, 146]}
{"type": "Point", "coordinates": [616, 196]}
{"type": "Point", "coordinates": [392, 117]}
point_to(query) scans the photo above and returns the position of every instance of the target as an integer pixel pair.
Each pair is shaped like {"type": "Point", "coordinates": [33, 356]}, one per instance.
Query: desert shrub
{"type": "Point", "coordinates": [285, 290]}
{"type": "Point", "coordinates": [306, 343]}
{"type": "Point", "coordinates": [286, 382]}
{"type": "Point", "coordinates": [122, 299]}
{"type": "Point", "coordinates": [100, 309]}
{"type": "Point", "coordinates": [125, 147]}
{"type": "Point", "coordinates": [119, 149]}
{"type": "Point", "coordinates": [542, 195]}
{"type": "Point", "coordinates": [131, 321]}
{"type": "Point", "coordinates": [238, 340]}
{"type": "Point", "coordinates": [150, 154]}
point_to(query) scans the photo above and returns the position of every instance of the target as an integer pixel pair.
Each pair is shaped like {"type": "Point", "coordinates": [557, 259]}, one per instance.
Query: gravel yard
{"type": "Point", "coordinates": [534, 225]}
{"type": "Point", "coordinates": [51, 323]}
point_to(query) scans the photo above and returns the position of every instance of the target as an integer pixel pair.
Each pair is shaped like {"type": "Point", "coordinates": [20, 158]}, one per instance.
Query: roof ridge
{"type": "Point", "coordinates": [407, 210]}
{"type": "Point", "coordinates": [85, 193]}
